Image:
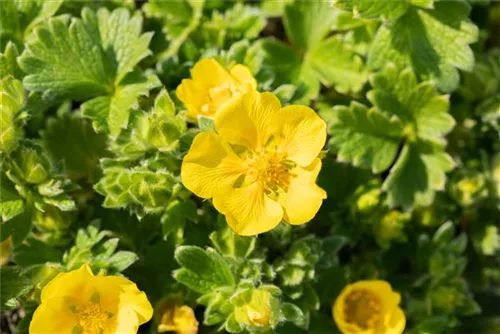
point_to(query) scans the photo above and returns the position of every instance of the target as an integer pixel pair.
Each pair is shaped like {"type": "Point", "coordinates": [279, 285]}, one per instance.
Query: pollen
{"type": "Point", "coordinates": [363, 309]}
{"type": "Point", "coordinates": [272, 170]}
{"type": "Point", "coordinates": [94, 320]}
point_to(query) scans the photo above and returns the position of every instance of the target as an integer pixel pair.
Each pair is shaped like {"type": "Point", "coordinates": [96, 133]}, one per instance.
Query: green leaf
{"type": "Point", "coordinates": [180, 19]}
{"type": "Point", "coordinates": [70, 138]}
{"type": "Point", "coordinates": [308, 22]}
{"type": "Point", "coordinates": [444, 234]}
{"type": "Point", "coordinates": [202, 270]}
{"type": "Point", "coordinates": [8, 63]}
{"type": "Point", "coordinates": [423, 112]}
{"type": "Point", "coordinates": [292, 313]}
{"type": "Point", "coordinates": [335, 64]}
{"type": "Point", "coordinates": [120, 37]}
{"type": "Point", "coordinates": [484, 81]}
{"type": "Point", "coordinates": [417, 174]}
{"type": "Point", "coordinates": [20, 17]}
{"type": "Point", "coordinates": [374, 9]}
{"type": "Point", "coordinates": [330, 62]}
{"type": "Point", "coordinates": [432, 325]}
{"type": "Point", "coordinates": [11, 203]}
{"type": "Point", "coordinates": [12, 99]}
{"type": "Point", "coordinates": [108, 47]}
{"type": "Point", "coordinates": [49, 61]}
{"type": "Point", "coordinates": [122, 260]}
{"type": "Point", "coordinates": [231, 244]}
{"type": "Point", "coordinates": [434, 42]}
{"type": "Point", "coordinates": [365, 137]}
{"type": "Point", "coordinates": [13, 284]}
{"type": "Point", "coordinates": [111, 113]}
{"type": "Point", "coordinates": [33, 251]}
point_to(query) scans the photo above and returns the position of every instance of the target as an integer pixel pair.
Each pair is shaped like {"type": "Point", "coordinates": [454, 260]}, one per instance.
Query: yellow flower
{"type": "Point", "coordinates": [5, 251]}
{"type": "Point", "coordinates": [257, 312]}
{"type": "Point", "coordinates": [79, 302]}
{"type": "Point", "coordinates": [179, 319]}
{"type": "Point", "coordinates": [212, 85]}
{"type": "Point", "coordinates": [369, 307]}
{"type": "Point", "coordinates": [261, 165]}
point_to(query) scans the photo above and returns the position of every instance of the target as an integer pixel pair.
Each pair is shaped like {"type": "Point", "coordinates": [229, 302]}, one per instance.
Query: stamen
{"type": "Point", "coordinates": [92, 319]}
{"type": "Point", "coordinates": [363, 309]}
{"type": "Point", "coordinates": [272, 170]}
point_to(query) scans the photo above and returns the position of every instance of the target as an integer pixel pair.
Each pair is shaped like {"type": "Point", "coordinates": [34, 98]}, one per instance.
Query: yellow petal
{"type": "Point", "coordinates": [210, 167]}
{"type": "Point", "coordinates": [302, 133]}
{"type": "Point", "coordinates": [245, 120]}
{"type": "Point", "coordinates": [209, 72]}
{"type": "Point", "coordinates": [248, 210]}
{"type": "Point", "coordinates": [243, 76]}
{"type": "Point", "coordinates": [303, 198]}
{"type": "Point", "coordinates": [397, 322]}
{"type": "Point", "coordinates": [68, 284]}
{"type": "Point", "coordinates": [54, 317]}
{"type": "Point", "coordinates": [192, 95]}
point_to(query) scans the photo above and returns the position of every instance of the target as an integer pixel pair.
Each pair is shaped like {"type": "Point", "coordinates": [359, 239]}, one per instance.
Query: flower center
{"type": "Point", "coordinates": [256, 317]}
{"type": "Point", "coordinates": [363, 308]}
{"type": "Point", "coordinates": [93, 319]}
{"type": "Point", "coordinates": [217, 95]}
{"type": "Point", "coordinates": [272, 170]}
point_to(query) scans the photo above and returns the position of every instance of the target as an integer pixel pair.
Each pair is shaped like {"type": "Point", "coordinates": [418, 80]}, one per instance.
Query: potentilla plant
{"type": "Point", "coordinates": [277, 167]}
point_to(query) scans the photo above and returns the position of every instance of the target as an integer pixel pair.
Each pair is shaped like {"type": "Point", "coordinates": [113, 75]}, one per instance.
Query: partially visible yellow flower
{"type": "Point", "coordinates": [5, 251]}
{"type": "Point", "coordinates": [369, 307]}
{"type": "Point", "coordinates": [261, 165]}
{"type": "Point", "coordinates": [79, 302]}
{"type": "Point", "coordinates": [212, 85]}
{"type": "Point", "coordinates": [178, 318]}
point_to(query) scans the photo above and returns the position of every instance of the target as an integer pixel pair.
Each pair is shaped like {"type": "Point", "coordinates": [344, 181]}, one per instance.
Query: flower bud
{"type": "Point", "coordinates": [391, 228]}
{"type": "Point", "coordinates": [468, 188]}
{"type": "Point", "coordinates": [30, 163]}
{"type": "Point", "coordinates": [256, 310]}
{"type": "Point", "coordinates": [177, 318]}
{"type": "Point", "coordinates": [52, 219]}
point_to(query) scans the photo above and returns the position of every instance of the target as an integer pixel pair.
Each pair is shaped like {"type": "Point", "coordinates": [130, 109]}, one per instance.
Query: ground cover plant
{"type": "Point", "coordinates": [266, 166]}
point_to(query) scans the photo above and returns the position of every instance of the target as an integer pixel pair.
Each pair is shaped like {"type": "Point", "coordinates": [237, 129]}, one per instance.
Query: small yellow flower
{"type": "Point", "coordinates": [177, 318]}
{"type": "Point", "coordinates": [369, 307]}
{"type": "Point", "coordinates": [5, 251]}
{"type": "Point", "coordinates": [79, 302]}
{"type": "Point", "coordinates": [257, 312]}
{"type": "Point", "coordinates": [261, 165]}
{"type": "Point", "coordinates": [212, 85]}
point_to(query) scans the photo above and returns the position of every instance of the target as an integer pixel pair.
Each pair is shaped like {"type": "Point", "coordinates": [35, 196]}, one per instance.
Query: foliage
{"type": "Point", "coordinates": [93, 139]}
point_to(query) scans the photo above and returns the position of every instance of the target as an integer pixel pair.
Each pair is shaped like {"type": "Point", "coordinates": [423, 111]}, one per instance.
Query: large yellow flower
{"type": "Point", "coordinates": [261, 165]}
{"type": "Point", "coordinates": [212, 85]}
{"type": "Point", "coordinates": [369, 307]}
{"type": "Point", "coordinates": [79, 302]}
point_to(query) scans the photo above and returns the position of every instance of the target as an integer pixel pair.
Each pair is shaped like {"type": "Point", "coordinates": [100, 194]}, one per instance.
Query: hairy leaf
{"type": "Point", "coordinates": [417, 174]}
{"type": "Point", "coordinates": [423, 112]}
{"type": "Point", "coordinates": [434, 42]}
{"type": "Point", "coordinates": [308, 22]}
{"type": "Point", "coordinates": [365, 137]}
{"type": "Point", "coordinates": [202, 270]}
{"type": "Point", "coordinates": [13, 283]}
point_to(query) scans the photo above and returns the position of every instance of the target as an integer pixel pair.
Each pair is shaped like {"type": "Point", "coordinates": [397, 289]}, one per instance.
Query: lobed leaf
{"type": "Point", "coordinates": [434, 42]}
{"type": "Point", "coordinates": [365, 137]}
